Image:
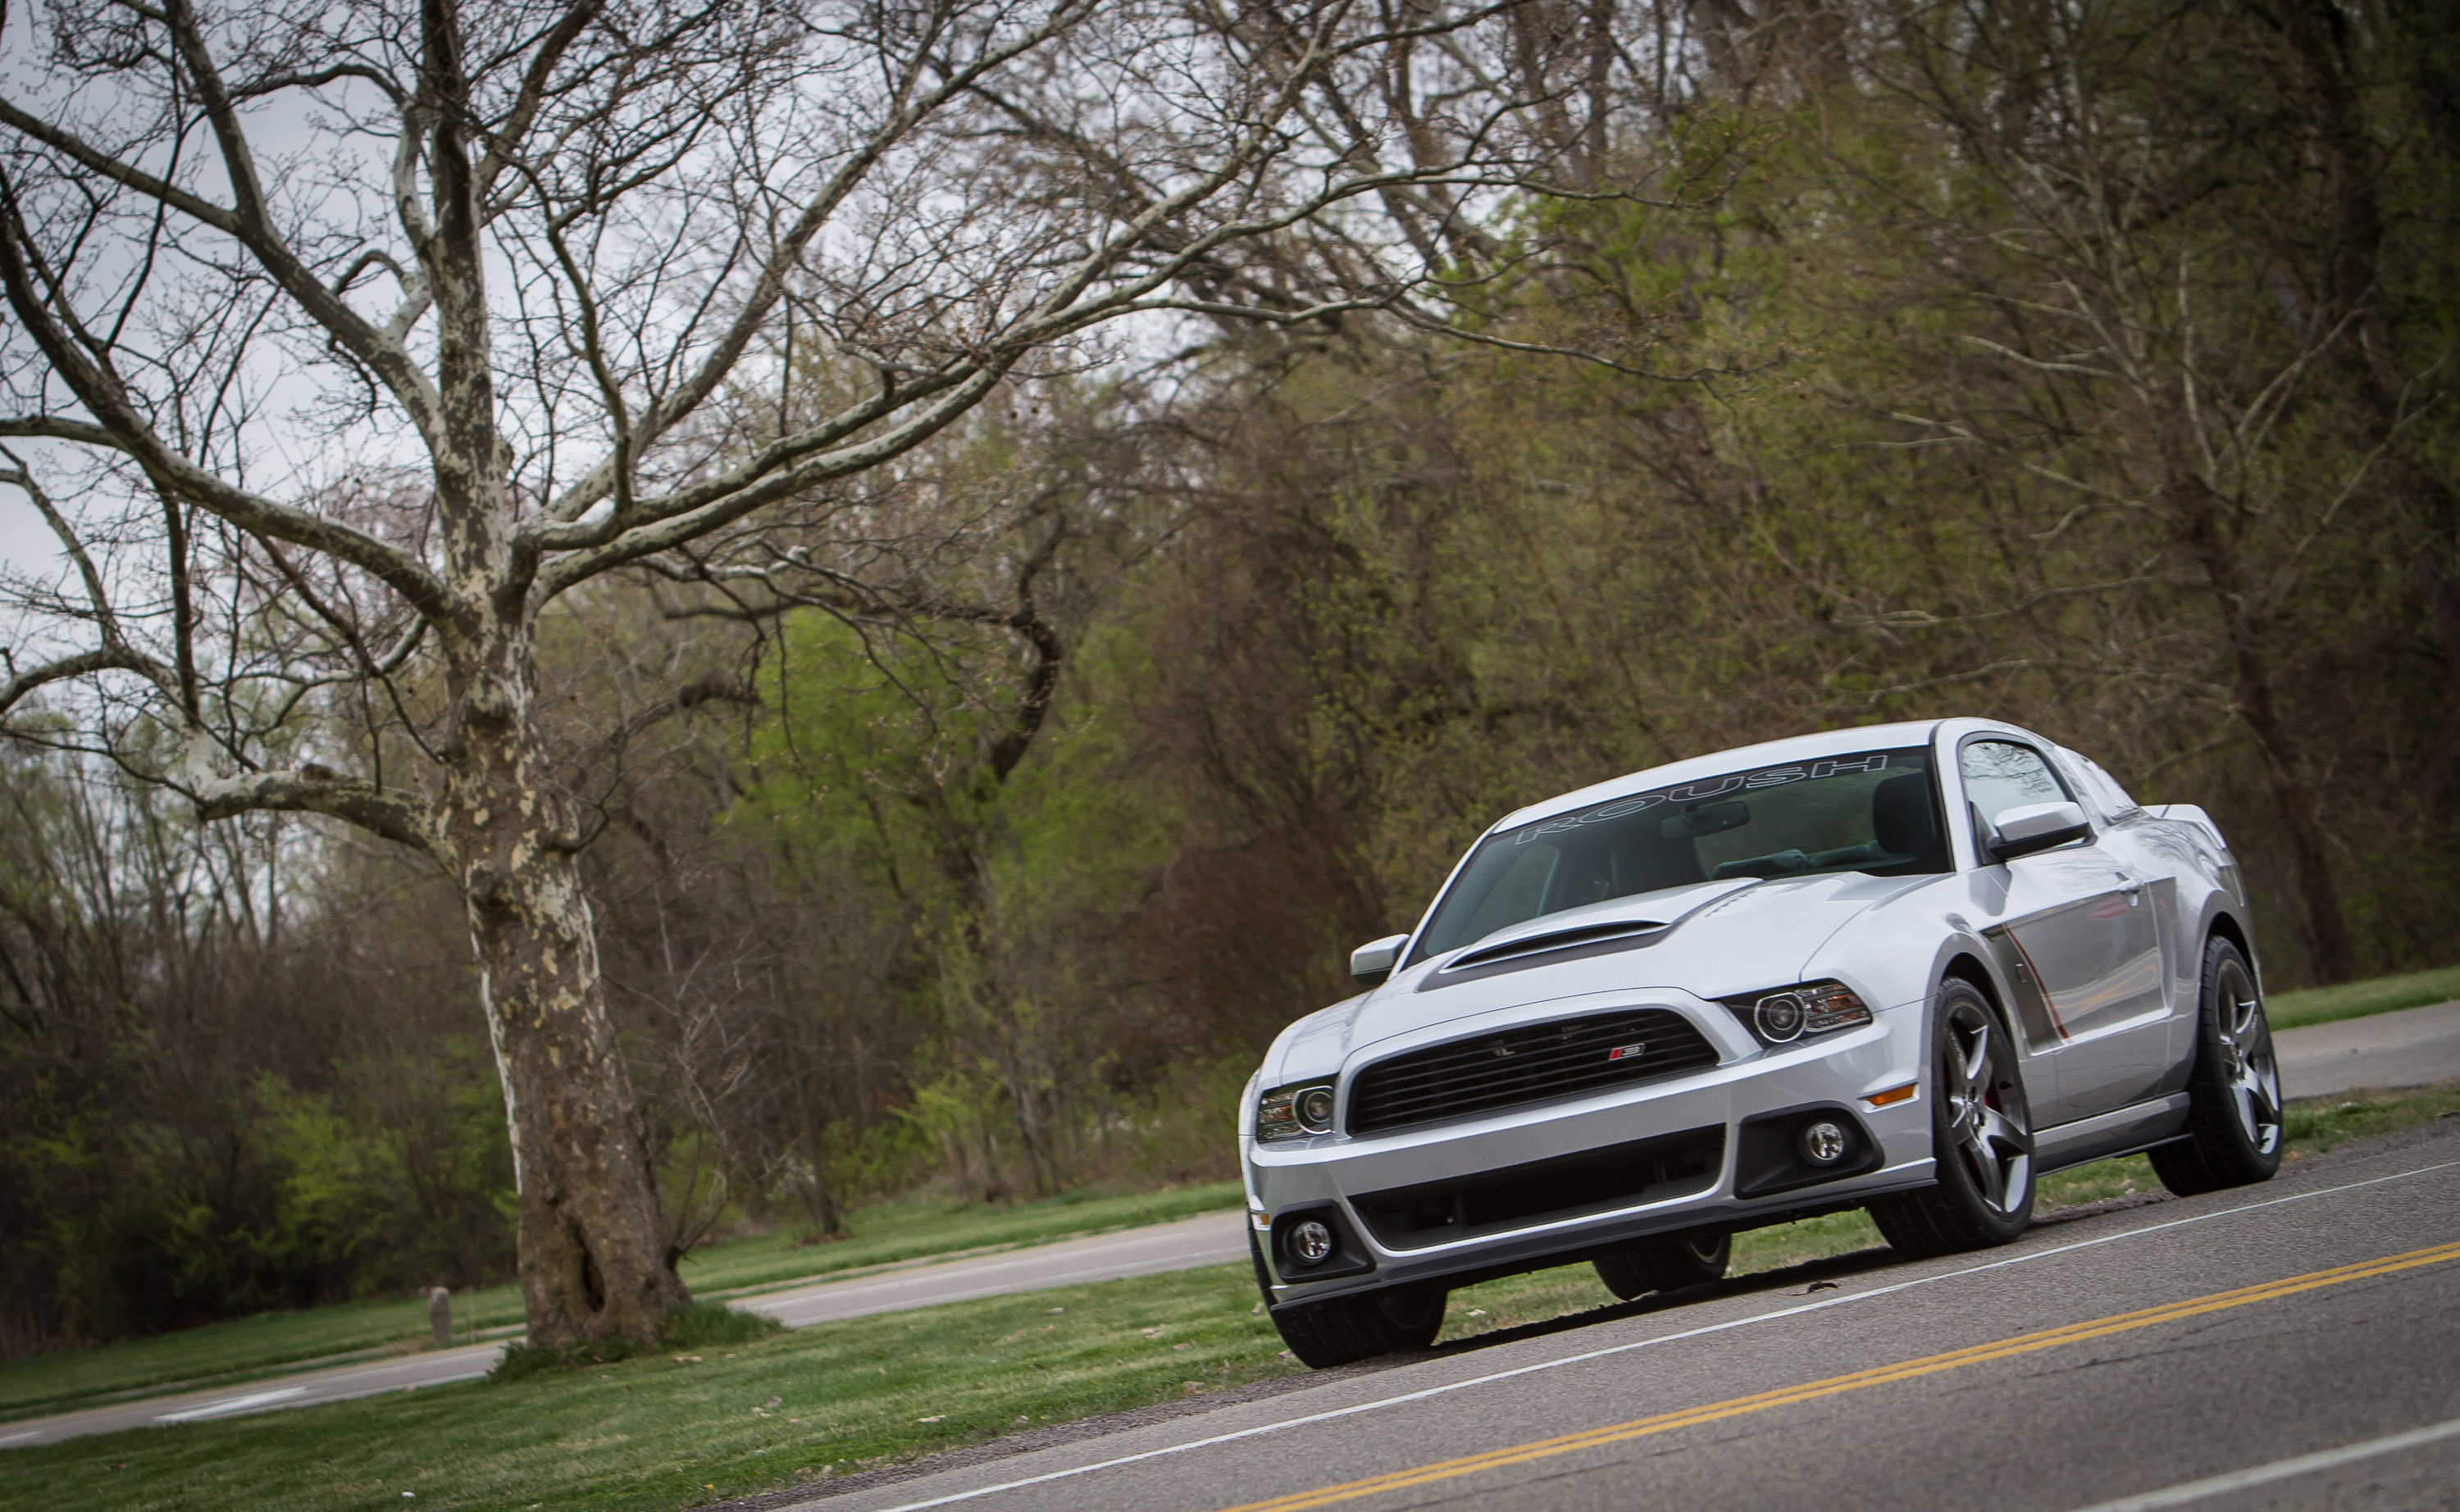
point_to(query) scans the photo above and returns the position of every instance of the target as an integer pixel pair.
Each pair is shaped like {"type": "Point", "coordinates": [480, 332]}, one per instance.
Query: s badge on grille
{"type": "Point", "coordinates": [1626, 1052]}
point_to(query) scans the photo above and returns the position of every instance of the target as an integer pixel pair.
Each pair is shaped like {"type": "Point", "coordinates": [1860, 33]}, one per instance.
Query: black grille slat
{"type": "Point", "coordinates": [1531, 1063]}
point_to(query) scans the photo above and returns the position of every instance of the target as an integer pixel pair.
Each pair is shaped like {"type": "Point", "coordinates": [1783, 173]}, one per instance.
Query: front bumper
{"type": "Point", "coordinates": [1557, 1182]}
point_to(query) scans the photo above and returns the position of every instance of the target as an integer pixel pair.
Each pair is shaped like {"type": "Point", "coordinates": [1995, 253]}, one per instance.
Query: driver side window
{"type": "Point", "coordinates": [1999, 776]}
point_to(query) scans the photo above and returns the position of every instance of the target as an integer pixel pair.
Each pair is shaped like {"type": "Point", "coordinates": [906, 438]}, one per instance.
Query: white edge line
{"type": "Point", "coordinates": [1641, 1344]}
{"type": "Point", "coordinates": [20, 1438]}
{"type": "Point", "coordinates": [2279, 1470]}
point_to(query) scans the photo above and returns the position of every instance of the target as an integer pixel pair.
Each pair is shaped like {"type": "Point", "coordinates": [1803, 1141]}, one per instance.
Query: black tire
{"type": "Point", "coordinates": [2233, 1133]}
{"type": "Point", "coordinates": [1666, 1263]}
{"type": "Point", "coordinates": [1981, 1136]}
{"type": "Point", "coordinates": [1346, 1329]}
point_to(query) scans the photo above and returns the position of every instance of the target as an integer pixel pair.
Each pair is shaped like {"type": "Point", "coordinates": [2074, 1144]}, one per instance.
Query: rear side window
{"type": "Point", "coordinates": [2000, 774]}
{"type": "Point", "coordinates": [2099, 785]}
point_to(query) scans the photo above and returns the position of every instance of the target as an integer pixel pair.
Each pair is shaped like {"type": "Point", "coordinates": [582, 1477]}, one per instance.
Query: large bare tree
{"type": "Point", "coordinates": [353, 338]}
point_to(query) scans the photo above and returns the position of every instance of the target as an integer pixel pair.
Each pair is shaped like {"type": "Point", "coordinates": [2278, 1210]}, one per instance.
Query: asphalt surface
{"type": "Point", "coordinates": [2294, 1345]}
{"type": "Point", "coordinates": [2413, 1047]}
{"type": "Point", "coordinates": [1203, 1241]}
{"type": "Point", "coordinates": [2417, 1047]}
{"type": "Point", "coordinates": [1209, 1239]}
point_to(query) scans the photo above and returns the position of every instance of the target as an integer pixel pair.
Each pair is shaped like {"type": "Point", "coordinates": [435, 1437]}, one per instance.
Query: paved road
{"type": "Point", "coordinates": [1203, 1241]}
{"type": "Point", "coordinates": [1207, 1240]}
{"type": "Point", "coordinates": [2290, 1346]}
{"type": "Point", "coordinates": [2417, 1047]}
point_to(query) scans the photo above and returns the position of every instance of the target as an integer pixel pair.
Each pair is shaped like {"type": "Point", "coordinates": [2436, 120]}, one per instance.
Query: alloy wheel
{"type": "Point", "coordinates": [2247, 1061]}
{"type": "Point", "coordinates": [1991, 1132]}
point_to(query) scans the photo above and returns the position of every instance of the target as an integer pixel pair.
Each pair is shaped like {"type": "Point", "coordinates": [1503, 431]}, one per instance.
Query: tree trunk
{"type": "Point", "coordinates": [595, 1257]}
{"type": "Point", "coordinates": [2198, 511]}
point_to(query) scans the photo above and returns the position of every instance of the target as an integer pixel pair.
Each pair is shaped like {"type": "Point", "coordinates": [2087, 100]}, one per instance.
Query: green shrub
{"type": "Point", "coordinates": [703, 1325]}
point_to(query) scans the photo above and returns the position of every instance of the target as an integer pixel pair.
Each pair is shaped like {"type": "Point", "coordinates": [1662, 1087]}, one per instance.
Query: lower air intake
{"type": "Point", "coordinates": [1599, 1181]}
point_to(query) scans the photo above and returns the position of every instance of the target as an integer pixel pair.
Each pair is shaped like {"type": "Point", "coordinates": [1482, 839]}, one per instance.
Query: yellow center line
{"type": "Point", "coordinates": [1837, 1384]}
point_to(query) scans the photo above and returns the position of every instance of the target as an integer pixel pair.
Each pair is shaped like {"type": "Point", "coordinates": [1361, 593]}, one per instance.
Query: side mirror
{"type": "Point", "coordinates": [2036, 826]}
{"type": "Point", "coordinates": [1372, 963]}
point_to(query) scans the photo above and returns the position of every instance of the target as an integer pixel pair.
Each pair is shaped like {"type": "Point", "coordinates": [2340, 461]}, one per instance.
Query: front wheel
{"type": "Point", "coordinates": [1343, 1331]}
{"type": "Point", "coordinates": [2234, 1133]}
{"type": "Point", "coordinates": [1982, 1139]}
{"type": "Point", "coordinates": [1666, 1263]}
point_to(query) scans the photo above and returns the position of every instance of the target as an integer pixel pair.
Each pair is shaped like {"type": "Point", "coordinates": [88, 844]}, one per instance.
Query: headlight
{"type": "Point", "coordinates": [1790, 1013]}
{"type": "Point", "coordinates": [1286, 1113]}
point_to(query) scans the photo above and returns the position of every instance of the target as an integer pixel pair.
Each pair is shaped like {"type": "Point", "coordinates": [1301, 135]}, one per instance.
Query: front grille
{"type": "Point", "coordinates": [1652, 1170]}
{"type": "Point", "coordinates": [1511, 1068]}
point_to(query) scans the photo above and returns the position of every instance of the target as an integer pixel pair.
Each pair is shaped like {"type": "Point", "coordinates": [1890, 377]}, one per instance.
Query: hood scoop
{"type": "Point", "coordinates": [1577, 939]}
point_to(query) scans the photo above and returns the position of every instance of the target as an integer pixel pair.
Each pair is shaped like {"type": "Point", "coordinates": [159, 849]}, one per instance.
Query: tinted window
{"type": "Point", "coordinates": [2105, 789]}
{"type": "Point", "coordinates": [1871, 810]}
{"type": "Point", "coordinates": [1999, 776]}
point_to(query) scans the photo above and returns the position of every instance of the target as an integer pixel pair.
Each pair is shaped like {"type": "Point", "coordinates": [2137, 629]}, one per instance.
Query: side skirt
{"type": "Point", "coordinates": [2121, 1130]}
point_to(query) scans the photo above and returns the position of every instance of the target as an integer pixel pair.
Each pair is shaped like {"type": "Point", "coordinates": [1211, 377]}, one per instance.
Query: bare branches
{"type": "Point", "coordinates": [105, 396]}
{"type": "Point", "coordinates": [658, 273]}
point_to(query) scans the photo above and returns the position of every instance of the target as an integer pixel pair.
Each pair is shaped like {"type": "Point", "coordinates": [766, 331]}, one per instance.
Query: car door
{"type": "Point", "coordinates": [2074, 927]}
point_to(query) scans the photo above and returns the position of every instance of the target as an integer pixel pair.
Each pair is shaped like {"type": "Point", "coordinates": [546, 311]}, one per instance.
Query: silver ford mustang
{"type": "Point", "coordinates": [1907, 968]}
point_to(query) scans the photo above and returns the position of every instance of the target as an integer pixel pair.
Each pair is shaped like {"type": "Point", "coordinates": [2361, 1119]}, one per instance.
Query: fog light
{"type": "Point", "coordinates": [1823, 1143]}
{"type": "Point", "coordinates": [1779, 1017]}
{"type": "Point", "coordinates": [1315, 1109]}
{"type": "Point", "coordinates": [1310, 1242]}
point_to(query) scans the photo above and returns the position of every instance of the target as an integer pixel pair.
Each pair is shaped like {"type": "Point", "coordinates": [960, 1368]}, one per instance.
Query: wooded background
{"type": "Point", "coordinates": [2088, 364]}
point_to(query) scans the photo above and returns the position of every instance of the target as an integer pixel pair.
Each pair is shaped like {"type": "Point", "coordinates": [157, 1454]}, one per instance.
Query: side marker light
{"type": "Point", "coordinates": [1881, 1099]}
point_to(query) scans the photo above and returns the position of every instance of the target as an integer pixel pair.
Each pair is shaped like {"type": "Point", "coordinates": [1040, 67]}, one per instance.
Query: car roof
{"type": "Point", "coordinates": [1771, 753]}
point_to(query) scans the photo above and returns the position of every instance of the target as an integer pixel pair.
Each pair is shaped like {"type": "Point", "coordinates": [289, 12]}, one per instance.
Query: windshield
{"type": "Point", "coordinates": [1873, 811]}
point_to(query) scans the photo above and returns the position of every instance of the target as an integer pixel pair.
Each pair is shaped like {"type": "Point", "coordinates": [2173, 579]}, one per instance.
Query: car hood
{"type": "Point", "coordinates": [1718, 939]}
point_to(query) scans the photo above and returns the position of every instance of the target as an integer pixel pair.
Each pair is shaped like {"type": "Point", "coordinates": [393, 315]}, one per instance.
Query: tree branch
{"type": "Point", "coordinates": [313, 789]}
{"type": "Point", "coordinates": [107, 400]}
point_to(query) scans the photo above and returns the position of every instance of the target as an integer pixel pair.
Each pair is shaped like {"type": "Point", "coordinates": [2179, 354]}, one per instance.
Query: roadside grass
{"type": "Point", "coordinates": [271, 1343]}
{"type": "Point", "coordinates": [671, 1429]}
{"type": "Point", "coordinates": [685, 1427]}
{"type": "Point", "coordinates": [242, 1349]}
{"type": "Point", "coordinates": [2385, 995]}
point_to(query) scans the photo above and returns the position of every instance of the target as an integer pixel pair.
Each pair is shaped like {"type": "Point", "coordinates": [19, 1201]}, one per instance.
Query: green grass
{"type": "Point", "coordinates": [689, 1426]}
{"type": "Point", "coordinates": [673, 1430]}
{"type": "Point", "coordinates": [243, 1349]}
{"type": "Point", "coordinates": [2319, 1124]}
{"type": "Point", "coordinates": [249, 1349]}
{"type": "Point", "coordinates": [2385, 995]}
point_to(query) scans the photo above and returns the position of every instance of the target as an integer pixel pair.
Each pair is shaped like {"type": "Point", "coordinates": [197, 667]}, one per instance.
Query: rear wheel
{"type": "Point", "coordinates": [1982, 1139]}
{"type": "Point", "coordinates": [1666, 1263]}
{"type": "Point", "coordinates": [2233, 1133]}
{"type": "Point", "coordinates": [1344, 1329]}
